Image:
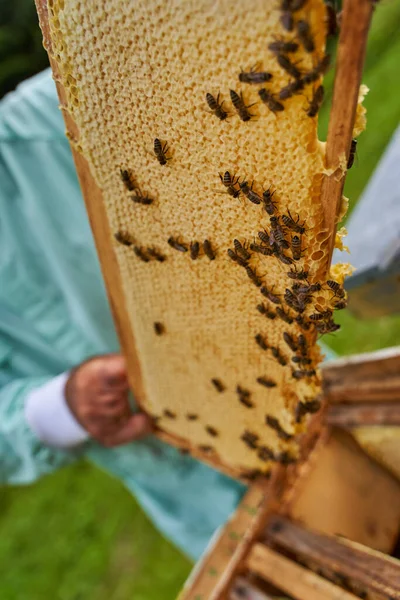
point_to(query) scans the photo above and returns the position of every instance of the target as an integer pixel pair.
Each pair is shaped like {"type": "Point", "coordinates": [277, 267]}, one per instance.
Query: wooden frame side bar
{"type": "Point", "coordinates": [215, 573]}
{"type": "Point", "coordinates": [373, 571]}
{"type": "Point", "coordinates": [356, 20]}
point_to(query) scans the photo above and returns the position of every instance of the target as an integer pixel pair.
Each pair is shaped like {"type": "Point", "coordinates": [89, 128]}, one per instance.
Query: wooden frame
{"type": "Point", "coordinates": [373, 377]}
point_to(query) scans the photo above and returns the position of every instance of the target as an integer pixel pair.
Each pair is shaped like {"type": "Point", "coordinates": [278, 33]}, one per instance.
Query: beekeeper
{"type": "Point", "coordinates": [63, 385]}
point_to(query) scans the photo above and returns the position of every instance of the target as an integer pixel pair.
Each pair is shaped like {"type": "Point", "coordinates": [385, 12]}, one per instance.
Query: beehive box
{"type": "Point", "coordinates": [220, 336]}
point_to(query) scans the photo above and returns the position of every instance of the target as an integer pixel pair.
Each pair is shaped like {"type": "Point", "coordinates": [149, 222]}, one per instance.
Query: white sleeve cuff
{"type": "Point", "coordinates": [49, 416]}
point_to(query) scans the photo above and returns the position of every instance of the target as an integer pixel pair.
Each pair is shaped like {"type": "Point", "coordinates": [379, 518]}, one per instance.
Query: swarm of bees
{"type": "Point", "coordinates": [282, 49]}
{"type": "Point", "coordinates": [284, 239]}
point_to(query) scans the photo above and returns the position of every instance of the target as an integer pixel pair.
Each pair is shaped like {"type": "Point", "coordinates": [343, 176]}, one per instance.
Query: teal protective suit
{"type": "Point", "coordinates": [54, 314]}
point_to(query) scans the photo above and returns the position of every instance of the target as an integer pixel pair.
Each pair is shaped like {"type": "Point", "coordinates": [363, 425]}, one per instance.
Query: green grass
{"type": "Point", "coordinates": [78, 535]}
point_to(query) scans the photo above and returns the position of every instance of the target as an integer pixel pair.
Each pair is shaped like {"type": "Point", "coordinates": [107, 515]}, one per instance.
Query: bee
{"type": "Point", "coordinates": [302, 343]}
{"type": "Point", "coordinates": [278, 234]}
{"type": "Point", "coordinates": [244, 397]}
{"type": "Point", "coordinates": [139, 198]}
{"type": "Point", "coordinates": [316, 102]}
{"type": "Point", "coordinates": [154, 253]}
{"type": "Point", "coordinates": [304, 299]}
{"type": "Point", "coordinates": [229, 182]}
{"type": "Point", "coordinates": [216, 106]}
{"type": "Point", "coordinates": [264, 453]}
{"type": "Point", "coordinates": [254, 76]}
{"type": "Point", "coordinates": [266, 382]}
{"type": "Point", "coordinates": [208, 250]}
{"type": "Point", "coordinates": [205, 448]}
{"type": "Point", "coordinates": [240, 106]}
{"type": "Point", "coordinates": [264, 250]}
{"type": "Point", "coordinates": [301, 360]}
{"type": "Point", "coordinates": [336, 288]}
{"type": "Point", "coordinates": [283, 47]}
{"type": "Point", "coordinates": [269, 205]}
{"type": "Point", "coordinates": [141, 254]}
{"type": "Point", "coordinates": [248, 192]}
{"type": "Point", "coordinates": [320, 69]}
{"type": "Point", "coordinates": [268, 99]}
{"type": "Point", "coordinates": [176, 245]}
{"type": "Point", "coordinates": [284, 458]}
{"type": "Point", "coordinates": [194, 250]}
{"type": "Point", "coordinates": [321, 315]}
{"type": "Point", "coordinates": [159, 328]}
{"type": "Point", "coordinates": [250, 439]}
{"type": "Point", "coordinates": [310, 406]}
{"type": "Point", "coordinates": [276, 426]}
{"type": "Point", "coordinates": [261, 342]}
{"type": "Point", "coordinates": [340, 305]}
{"type": "Point", "coordinates": [168, 413]}
{"type": "Point", "coordinates": [290, 89]}
{"type": "Point", "coordinates": [302, 373]}
{"type": "Point", "coordinates": [161, 151]}
{"type": "Point", "coordinates": [263, 310]}
{"type": "Point", "coordinates": [284, 315]}
{"type": "Point", "coordinates": [123, 238]}
{"type": "Point", "coordinates": [127, 179]}
{"type": "Point", "coordinates": [288, 66]}
{"type": "Point", "coordinates": [251, 475]}
{"type": "Point", "coordinates": [236, 258]}
{"type": "Point", "coordinates": [286, 260]}
{"type": "Point", "coordinates": [290, 341]}
{"type": "Point", "coordinates": [253, 276]}
{"type": "Point", "coordinates": [331, 20]}
{"type": "Point", "coordinates": [276, 353]}
{"type": "Point", "coordinates": [308, 289]}
{"type": "Point", "coordinates": [327, 327]}
{"type": "Point", "coordinates": [300, 275]}
{"type": "Point", "coordinates": [292, 224]}
{"type": "Point", "coordinates": [305, 36]}
{"type": "Point", "coordinates": [192, 417]}
{"type": "Point", "coordinates": [219, 386]}
{"type": "Point", "coordinates": [291, 300]}
{"type": "Point", "coordinates": [296, 247]}
{"type": "Point", "coordinates": [268, 294]}
{"type": "Point", "coordinates": [352, 153]}
{"type": "Point", "coordinates": [211, 431]}
{"type": "Point", "coordinates": [241, 250]}
{"type": "Point", "coordinates": [302, 323]}
{"type": "Point", "coordinates": [287, 21]}
{"type": "Point", "coordinates": [264, 237]}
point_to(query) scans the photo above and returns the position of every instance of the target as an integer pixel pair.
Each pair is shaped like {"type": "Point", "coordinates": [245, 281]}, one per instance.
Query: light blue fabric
{"type": "Point", "coordinates": [54, 314]}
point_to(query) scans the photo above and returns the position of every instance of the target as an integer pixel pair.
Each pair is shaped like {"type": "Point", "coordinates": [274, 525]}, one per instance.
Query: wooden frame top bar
{"type": "Point", "coordinates": [374, 571]}
{"type": "Point", "coordinates": [373, 377]}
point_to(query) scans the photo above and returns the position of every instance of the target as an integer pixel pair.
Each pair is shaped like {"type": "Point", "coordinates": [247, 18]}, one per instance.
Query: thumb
{"type": "Point", "coordinates": [113, 372]}
{"type": "Point", "coordinates": [137, 426]}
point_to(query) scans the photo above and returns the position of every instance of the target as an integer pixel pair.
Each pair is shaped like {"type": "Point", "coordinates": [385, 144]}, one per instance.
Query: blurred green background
{"type": "Point", "coordinates": [78, 534]}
